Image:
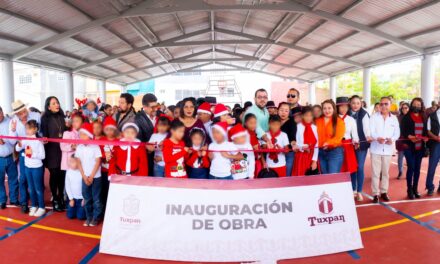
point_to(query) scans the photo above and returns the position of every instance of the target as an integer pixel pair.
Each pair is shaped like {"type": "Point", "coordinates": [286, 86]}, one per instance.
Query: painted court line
{"type": "Point", "coordinates": [389, 207]}
{"type": "Point", "coordinates": [90, 255]}
{"type": "Point", "coordinates": [400, 201]}
{"type": "Point", "coordinates": [354, 254]}
{"type": "Point", "coordinates": [23, 227]}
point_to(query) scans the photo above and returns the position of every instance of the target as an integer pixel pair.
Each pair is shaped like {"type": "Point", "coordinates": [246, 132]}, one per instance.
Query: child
{"type": "Point", "coordinates": [250, 123]}
{"type": "Point", "coordinates": [197, 160]}
{"type": "Point", "coordinates": [34, 169]}
{"type": "Point", "coordinates": [89, 165]}
{"type": "Point", "coordinates": [222, 114]}
{"type": "Point", "coordinates": [162, 127]}
{"type": "Point", "coordinates": [174, 151]}
{"type": "Point", "coordinates": [277, 160]}
{"type": "Point", "coordinates": [75, 203]}
{"type": "Point", "coordinates": [307, 143]}
{"type": "Point", "coordinates": [90, 110]}
{"type": "Point", "coordinates": [204, 114]}
{"type": "Point", "coordinates": [245, 168]}
{"type": "Point", "coordinates": [223, 152]}
{"type": "Point", "coordinates": [97, 129]}
{"type": "Point", "coordinates": [111, 134]}
{"type": "Point", "coordinates": [130, 160]}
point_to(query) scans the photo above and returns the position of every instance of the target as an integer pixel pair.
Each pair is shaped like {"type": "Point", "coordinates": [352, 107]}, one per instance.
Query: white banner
{"type": "Point", "coordinates": [246, 220]}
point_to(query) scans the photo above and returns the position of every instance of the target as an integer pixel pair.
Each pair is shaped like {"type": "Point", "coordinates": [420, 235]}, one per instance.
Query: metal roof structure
{"type": "Point", "coordinates": [127, 41]}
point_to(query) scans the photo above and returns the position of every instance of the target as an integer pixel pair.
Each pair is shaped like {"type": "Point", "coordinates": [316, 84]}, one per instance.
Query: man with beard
{"type": "Point", "coordinates": [126, 112]}
{"type": "Point", "coordinates": [293, 100]}
{"type": "Point", "coordinates": [262, 114]}
{"type": "Point", "coordinates": [146, 120]}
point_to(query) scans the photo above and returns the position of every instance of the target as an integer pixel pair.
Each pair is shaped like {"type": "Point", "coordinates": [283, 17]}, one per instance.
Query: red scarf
{"type": "Point", "coordinates": [253, 138]}
{"type": "Point", "coordinates": [416, 119]}
{"type": "Point", "coordinates": [309, 136]}
{"type": "Point", "coordinates": [273, 139]}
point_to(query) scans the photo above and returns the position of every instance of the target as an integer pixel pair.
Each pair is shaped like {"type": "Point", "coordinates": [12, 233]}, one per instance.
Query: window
{"type": "Point", "coordinates": [25, 79]}
{"type": "Point", "coordinates": [181, 94]}
{"type": "Point", "coordinates": [61, 77]}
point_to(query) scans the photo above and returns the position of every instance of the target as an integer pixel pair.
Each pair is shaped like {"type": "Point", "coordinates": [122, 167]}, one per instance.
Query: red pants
{"type": "Point", "coordinates": [281, 171]}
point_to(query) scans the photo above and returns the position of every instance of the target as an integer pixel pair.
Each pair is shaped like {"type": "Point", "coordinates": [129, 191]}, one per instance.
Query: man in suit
{"type": "Point", "coordinates": [146, 120]}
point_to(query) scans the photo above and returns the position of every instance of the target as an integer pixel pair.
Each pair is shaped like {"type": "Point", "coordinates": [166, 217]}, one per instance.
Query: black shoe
{"type": "Point", "coordinates": [385, 197]}
{"type": "Point", "coordinates": [15, 203]}
{"type": "Point", "coordinates": [24, 209]}
{"type": "Point", "coordinates": [430, 192]}
{"type": "Point", "coordinates": [399, 175]}
{"type": "Point", "coordinates": [56, 206]}
{"type": "Point", "coordinates": [410, 194]}
{"type": "Point", "coordinates": [376, 199]}
{"type": "Point", "coordinates": [3, 206]}
{"type": "Point", "coordinates": [416, 193]}
{"type": "Point", "coordinates": [62, 205]}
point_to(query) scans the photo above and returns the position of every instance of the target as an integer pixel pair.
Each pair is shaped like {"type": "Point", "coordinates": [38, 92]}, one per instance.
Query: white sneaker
{"type": "Point", "coordinates": [32, 211]}
{"type": "Point", "coordinates": [40, 212]}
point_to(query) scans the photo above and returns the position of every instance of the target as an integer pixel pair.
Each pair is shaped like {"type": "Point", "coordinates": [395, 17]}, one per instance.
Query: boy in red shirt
{"type": "Point", "coordinates": [130, 160]}
{"type": "Point", "coordinates": [174, 151]}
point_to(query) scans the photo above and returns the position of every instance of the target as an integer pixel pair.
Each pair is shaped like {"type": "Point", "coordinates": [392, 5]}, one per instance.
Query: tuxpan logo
{"type": "Point", "coordinates": [130, 207]}
{"type": "Point", "coordinates": [326, 208]}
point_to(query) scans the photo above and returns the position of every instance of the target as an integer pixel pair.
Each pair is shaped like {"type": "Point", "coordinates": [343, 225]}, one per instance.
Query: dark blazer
{"type": "Point", "coordinates": [146, 127]}
{"type": "Point", "coordinates": [52, 126]}
{"type": "Point", "coordinates": [407, 127]}
{"type": "Point", "coordinates": [290, 129]}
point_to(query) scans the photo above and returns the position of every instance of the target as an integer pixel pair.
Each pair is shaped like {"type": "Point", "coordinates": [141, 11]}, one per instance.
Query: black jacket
{"type": "Point", "coordinates": [290, 128]}
{"type": "Point", "coordinates": [146, 127]}
{"type": "Point", "coordinates": [407, 127]}
{"type": "Point", "coordinates": [52, 126]}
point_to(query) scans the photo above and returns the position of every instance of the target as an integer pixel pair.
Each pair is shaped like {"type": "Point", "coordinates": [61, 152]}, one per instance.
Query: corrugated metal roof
{"type": "Point", "coordinates": [321, 43]}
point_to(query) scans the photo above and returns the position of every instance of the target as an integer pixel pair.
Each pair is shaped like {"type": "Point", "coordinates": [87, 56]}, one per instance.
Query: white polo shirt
{"type": "Point", "coordinates": [88, 154]}
{"type": "Point", "coordinates": [383, 128]}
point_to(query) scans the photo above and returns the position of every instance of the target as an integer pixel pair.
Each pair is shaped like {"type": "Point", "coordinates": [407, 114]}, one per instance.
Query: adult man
{"type": "Point", "coordinates": [146, 120]}
{"type": "Point", "coordinates": [293, 99]}
{"type": "Point", "coordinates": [385, 130]}
{"type": "Point", "coordinates": [20, 115]}
{"type": "Point", "coordinates": [433, 127]}
{"type": "Point", "coordinates": [126, 112]}
{"type": "Point", "coordinates": [432, 109]}
{"type": "Point", "coordinates": [7, 165]}
{"type": "Point", "coordinates": [260, 111]}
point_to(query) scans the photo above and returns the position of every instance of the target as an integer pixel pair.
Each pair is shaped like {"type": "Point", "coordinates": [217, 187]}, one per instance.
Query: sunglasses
{"type": "Point", "coordinates": [291, 96]}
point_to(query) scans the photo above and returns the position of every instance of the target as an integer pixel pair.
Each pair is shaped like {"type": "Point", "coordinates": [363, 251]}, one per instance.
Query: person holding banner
{"type": "Point", "coordinates": [331, 130]}
{"type": "Point", "coordinates": [385, 130]}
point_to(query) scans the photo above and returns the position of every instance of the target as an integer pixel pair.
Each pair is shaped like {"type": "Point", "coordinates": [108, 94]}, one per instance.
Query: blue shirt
{"type": "Point", "coordinates": [7, 148]}
{"type": "Point", "coordinates": [262, 119]}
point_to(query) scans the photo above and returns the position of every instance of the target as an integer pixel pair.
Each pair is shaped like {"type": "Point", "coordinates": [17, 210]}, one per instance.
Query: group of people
{"type": "Point", "coordinates": [202, 139]}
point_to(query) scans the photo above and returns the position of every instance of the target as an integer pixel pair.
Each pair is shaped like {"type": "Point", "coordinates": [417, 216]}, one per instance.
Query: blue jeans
{"type": "Point", "coordinates": [8, 166]}
{"type": "Point", "coordinates": [35, 180]}
{"type": "Point", "coordinates": [357, 178]}
{"type": "Point", "coordinates": [77, 211]}
{"type": "Point", "coordinates": [158, 171]}
{"type": "Point", "coordinates": [23, 186]}
{"type": "Point", "coordinates": [434, 158]}
{"type": "Point", "coordinates": [212, 177]}
{"type": "Point", "coordinates": [198, 173]}
{"type": "Point", "coordinates": [331, 160]}
{"type": "Point", "coordinates": [92, 198]}
{"type": "Point", "coordinates": [413, 163]}
{"type": "Point", "coordinates": [400, 156]}
{"type": "Point", "coordinates": [290, 157]}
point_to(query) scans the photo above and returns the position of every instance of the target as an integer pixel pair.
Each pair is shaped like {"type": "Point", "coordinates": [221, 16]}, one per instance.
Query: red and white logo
{"type": "Point", "coordinates": [325, 204]}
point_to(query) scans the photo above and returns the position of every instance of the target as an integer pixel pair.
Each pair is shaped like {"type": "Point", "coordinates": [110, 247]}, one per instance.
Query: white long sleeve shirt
{"type": "Point", "coordinates": [351, 131]}
{"type": "Point", "coordinates": [383, 128]}
{"type": "Point", "coordinates": [74, 184]}
{"type": "Point", "coordinates": [300, 140]}
{"type": "Point", "coordinates": [8, 147]}
{"type": "Point", "coordinates": [20, 130]}
{"type": "Point", "coordinates": [38, 153]}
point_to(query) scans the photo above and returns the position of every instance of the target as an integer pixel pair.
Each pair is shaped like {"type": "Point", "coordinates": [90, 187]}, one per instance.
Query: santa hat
{"type": "Point", "coordinates": [222, 127]}
{"type": "Point", "coordinates": [204, 108]}
{"type": "Point", "coordinates": [237, 131]}
{"type": "Point", "coordinates": [130, 125]}
{"type": "Point", "coordinates": [109, 122]}
{"type": "Point", "coordinates": [220, 109]}
{"type": "Point", "coordinates": [87, 128]}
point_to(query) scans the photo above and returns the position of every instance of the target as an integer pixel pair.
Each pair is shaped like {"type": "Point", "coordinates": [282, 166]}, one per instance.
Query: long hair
{"type": "Point", "coordinates": [419, 99]}
{"type": "Point", "coordinates": [334, 116]}
{"type": "Point", "coordinates": [47, 103]}
{"type": "Point", "coordinates": [184, 101]}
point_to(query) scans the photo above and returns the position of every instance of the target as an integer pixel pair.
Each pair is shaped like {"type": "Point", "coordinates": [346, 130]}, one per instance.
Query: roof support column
{"type": "Point", "coordinates": [427, 81]}
{"type": "Point", "coordinates": [312, 93]}
{"type": "Point", "coordinates": [68, 92]}
{"type": "Point", "coordinates": [333, 87]}
{"type": "Point", "coordinates": [7, 87]}
{"type": "Point", "coordinates": [366, 92]}
{"type": "Point", "coordinates": [102, 90]}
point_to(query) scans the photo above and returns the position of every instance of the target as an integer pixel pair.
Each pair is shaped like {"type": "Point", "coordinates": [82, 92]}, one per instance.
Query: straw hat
{"type": "Point", "coordinates": [17, 106]}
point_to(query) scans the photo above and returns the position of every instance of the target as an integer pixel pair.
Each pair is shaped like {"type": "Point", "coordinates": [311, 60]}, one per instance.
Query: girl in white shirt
{"type": "Point", "coordinates": [75, 204]}
{"type": "Point", "coordinates": [34, 169]}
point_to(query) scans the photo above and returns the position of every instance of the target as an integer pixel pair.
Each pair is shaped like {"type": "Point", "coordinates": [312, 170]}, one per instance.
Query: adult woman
{"type": "Point", "coordinates": [360, 115]}
{"type": "Point", "coordinates": [400, 144]}
{"type": "Point", "coordinates": [188, 118]}
{"type": "Point", "coordinates": [53, 126]}
{"type": "Point", "coordinates": [288, 126]}
{"type": "Point", "coordinates": [331, 129]}
{"type": "Point", "coordinates": [413, 128]}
